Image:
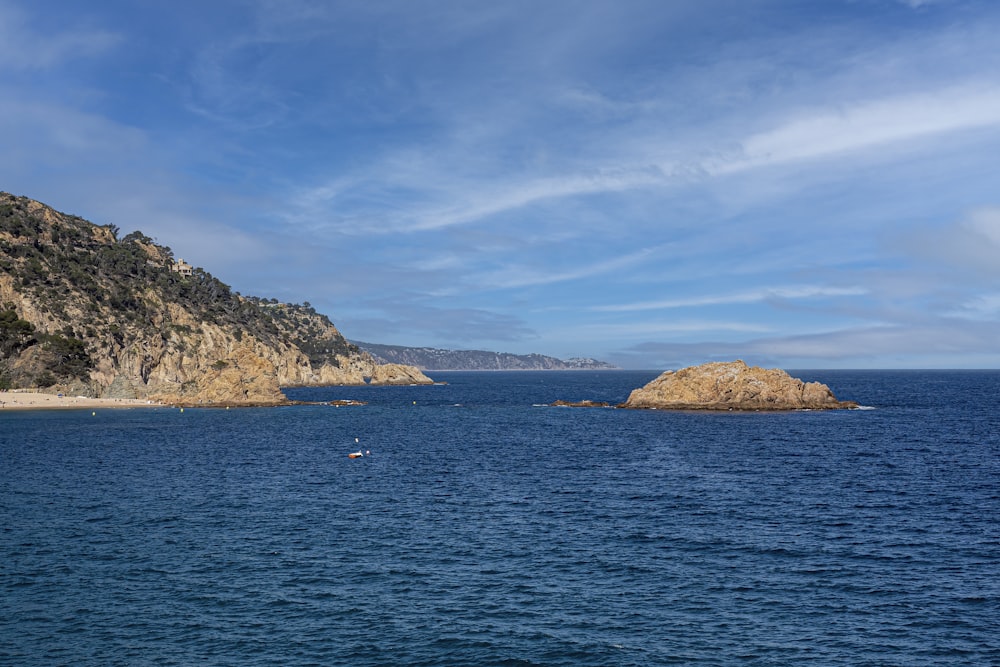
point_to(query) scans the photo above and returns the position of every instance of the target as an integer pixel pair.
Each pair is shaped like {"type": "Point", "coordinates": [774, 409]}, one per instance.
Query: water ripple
{"type": "Point", "coordinates": [501, 534]}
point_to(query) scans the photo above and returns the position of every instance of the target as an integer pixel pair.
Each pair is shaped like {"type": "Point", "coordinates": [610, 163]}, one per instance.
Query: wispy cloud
{"type": "Point", "coordinates": [968, 244]}
{"type": "Point", "coordinates": [523, 276]}
{"type": "Point", "coordinates": [416, 319]}
{"type": "Point", "coordinates": [487, 203]}
{"type": "Point", "coordinates": [852, 128]}
{"type": "Point", "coordinates": [954, 343]}
{"type": "Point", "coordinates": [983, 306]}
{"type": "Point", "coordinates": [752, 296]}
{"type": "Point", "coordinates": [869, 125]}
{"type": "Point", "coordinates": [455, 201]}
{"type": "Point", "coordinates": [624, 172]}
{"type": "Point", "coordinates": [61, 135]}
{"type": "Point", "coordinates": [917, 4]}
{"type": "Point", "coordinates": [34, 45]}
{"type": "Point", "coordinates": [702, 327]}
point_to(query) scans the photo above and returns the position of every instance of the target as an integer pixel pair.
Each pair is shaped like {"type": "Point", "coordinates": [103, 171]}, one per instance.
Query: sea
{"type": "Point", "coordinates": [481, 526]}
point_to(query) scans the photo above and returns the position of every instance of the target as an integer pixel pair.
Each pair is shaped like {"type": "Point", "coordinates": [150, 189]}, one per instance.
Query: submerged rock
{"type": "Point", "coordinates": [579, 404]}
{"type": "Point", "coordinates": [733, 386]}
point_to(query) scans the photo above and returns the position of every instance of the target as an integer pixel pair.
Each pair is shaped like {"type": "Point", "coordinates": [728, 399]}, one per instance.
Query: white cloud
{"type": "Point", "coordinates": [455, 201]}
{"type": "Point", "coordinates": [486, 202]}
{"type": "Point", "coordinates": [448, 192]}
{"type": "Point", "coordinates": [869, 125]}
{"type": "Point", "coordinates": [970, 244]}
{"type": "Point", "coordinates": [985, 307]}
{"type": "Point", "coordinates": [984, 224]}
{"type": "Point", "coordinates": [520, 276]}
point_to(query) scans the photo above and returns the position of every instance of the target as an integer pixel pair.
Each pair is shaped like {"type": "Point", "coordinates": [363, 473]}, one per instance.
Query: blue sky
{"type": "Point", "coordinates": [804, 184]}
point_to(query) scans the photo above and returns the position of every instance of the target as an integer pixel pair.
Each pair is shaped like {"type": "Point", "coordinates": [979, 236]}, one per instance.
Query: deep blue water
{"type": "Point", "coordinates": [486, 529]}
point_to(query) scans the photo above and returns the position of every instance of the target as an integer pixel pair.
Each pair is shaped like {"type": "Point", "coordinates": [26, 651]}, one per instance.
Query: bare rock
{"type": "Point", "coordinates": [733, 386]}
{"type": "Point", "coordinates": [244, 377]}
{"type": "Point", "coordinates": [398, 374]}
{"type": "Point", "coordinates": [587, 403]}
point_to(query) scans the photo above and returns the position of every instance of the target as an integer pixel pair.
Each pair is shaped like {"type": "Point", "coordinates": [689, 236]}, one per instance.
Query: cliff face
{"type": "Point", "coordinates": [733, 386]}
{"type": "Point", "coordinates": [82, 311]}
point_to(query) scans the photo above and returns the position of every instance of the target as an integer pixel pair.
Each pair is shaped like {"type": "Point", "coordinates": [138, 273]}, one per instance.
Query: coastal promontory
{"type": "Point", "coordinates": [84, 312]}
{"type": "Point", "coordinates": [733, 386]}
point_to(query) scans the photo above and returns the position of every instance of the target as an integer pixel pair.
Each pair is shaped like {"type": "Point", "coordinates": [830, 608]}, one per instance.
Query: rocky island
{"type": "Point", "coordinates": [86, 313]}
{"type": "Point", "coordinates": [733, 386]}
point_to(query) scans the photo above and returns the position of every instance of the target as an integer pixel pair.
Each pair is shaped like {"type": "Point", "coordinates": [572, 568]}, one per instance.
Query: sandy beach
{"type": "Point", "coordinates": [24, 400]}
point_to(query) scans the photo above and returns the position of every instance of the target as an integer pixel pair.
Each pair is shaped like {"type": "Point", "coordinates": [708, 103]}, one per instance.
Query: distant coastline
{"type": "Point", "coordinates": [436, 359]}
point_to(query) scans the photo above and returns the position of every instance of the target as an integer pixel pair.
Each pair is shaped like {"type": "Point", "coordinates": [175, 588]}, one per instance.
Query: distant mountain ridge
{"type": "Point", "coordinates": [434, 359]}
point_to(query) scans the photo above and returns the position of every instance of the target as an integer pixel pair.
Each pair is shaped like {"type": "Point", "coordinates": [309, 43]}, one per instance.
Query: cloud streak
{"type": "Point", "coordinates": [835, 134]}
{"type": "Point", "coordinates": [754, 296]}
{"type": "Point", "coordinates": [871, 125]}
{"type": "Point", "coordinates": [940, 345]}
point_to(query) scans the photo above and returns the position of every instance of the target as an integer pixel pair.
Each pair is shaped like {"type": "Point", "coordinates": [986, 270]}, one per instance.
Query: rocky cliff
{"type": "Point", "coordinates": [85, 312]}
{"type": "Point", "coordinates": [733, 386]}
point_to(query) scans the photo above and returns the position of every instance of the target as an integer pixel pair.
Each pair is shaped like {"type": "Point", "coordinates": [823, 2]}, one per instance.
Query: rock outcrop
{"type": "Point", "coordinates": [587, 403]}
{"type": "Point", "coordinates": [397, 374]}
{"type": "Point", "coordinates": [733, 386]}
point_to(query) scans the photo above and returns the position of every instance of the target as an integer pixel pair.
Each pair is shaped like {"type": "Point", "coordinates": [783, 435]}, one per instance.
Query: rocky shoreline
{"type": "Point", "coordinates": [30, 400]}
{"type": "Point", "coordinates": [717, 386]}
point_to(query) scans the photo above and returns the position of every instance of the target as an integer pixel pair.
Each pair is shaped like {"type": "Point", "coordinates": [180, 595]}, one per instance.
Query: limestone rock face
{"type": "Point", "coordinates": [357, 369]}
{"type": "Point", "coordinates": [397, 374]}
{"type": "Point", "coordinates": [244, 376]}
{"type": "Point", "coordinates": [733, 386]}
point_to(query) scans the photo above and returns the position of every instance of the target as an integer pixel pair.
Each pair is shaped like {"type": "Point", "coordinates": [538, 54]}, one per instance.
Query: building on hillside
{"type": "Point", "coordinates": [182, 267]}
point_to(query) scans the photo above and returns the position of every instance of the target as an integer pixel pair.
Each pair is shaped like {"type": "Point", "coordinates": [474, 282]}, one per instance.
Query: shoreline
{"type": "Point", "coordinates": [30, 400]}
{"type": "Point", "coordinates": [17, 400]}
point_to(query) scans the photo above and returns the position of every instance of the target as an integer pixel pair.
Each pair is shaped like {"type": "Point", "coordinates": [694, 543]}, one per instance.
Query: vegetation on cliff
{"type": "Point", "coordinates": [86, 311]}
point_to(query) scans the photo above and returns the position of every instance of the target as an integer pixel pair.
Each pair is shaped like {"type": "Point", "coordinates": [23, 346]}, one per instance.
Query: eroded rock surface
{"type": "Point", "coordinates": [733, 385]}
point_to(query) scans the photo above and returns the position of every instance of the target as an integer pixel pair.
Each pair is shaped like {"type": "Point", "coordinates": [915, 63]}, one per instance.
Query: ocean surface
{"type": "Point", "coordinates": [485, 528]}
